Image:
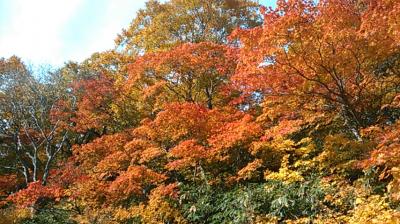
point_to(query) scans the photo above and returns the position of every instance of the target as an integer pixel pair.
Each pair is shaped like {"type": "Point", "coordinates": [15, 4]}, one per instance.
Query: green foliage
{"type": "Point", "coordinates": [294, 121]}
{"type": "Point", "coordinates": [206, 205]}
{"type": "Point", "coordinates": [294, 200]}
{"type": "Point", "coordinates": [242, 204]}
{"type": "Point", "coordinates": [49, 216]}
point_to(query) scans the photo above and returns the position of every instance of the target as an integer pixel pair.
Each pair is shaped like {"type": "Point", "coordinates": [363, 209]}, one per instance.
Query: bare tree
{"type": "Point", "coordinates": [30, 140]}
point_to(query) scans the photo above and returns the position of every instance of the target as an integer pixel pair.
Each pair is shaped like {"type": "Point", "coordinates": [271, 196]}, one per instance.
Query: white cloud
{"type": "Point", "coordinates": [34, 27]}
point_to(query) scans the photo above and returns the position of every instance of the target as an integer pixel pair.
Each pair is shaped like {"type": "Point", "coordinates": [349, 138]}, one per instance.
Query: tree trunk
{"type": "Point", "coordinates": [46, 171]}
{"type": "Point", "coordinates": [352, 124]}
{"type": "Point", "coordinates": [209, 99]}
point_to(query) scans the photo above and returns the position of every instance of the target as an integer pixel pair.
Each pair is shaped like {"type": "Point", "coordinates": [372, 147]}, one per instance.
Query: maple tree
{"type": "Point", "coordinates": [307, 50]}
{"type": "Point", "coordinates": [96, 100]}
{"type": "Point", "coordinates": [161, 26]}
{"type": "Point", "coordinates": [197, 73]}
{"type": "Point", "coordinates": [295, 120]}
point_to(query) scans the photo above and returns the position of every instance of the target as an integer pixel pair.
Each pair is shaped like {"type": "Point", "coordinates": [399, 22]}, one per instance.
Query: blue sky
{"type": "Point", "coordinates": [55, 31]}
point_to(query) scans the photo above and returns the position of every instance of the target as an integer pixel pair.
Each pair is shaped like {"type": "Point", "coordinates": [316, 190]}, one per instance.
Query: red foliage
{"type": "Point", "coordinates": [196, 73]}
{"type": "Point", "coordinates": [188, 153]}
{"type": "Point", "coordinates": [94, 99]}
{"type": "Point", "coordinates": [167, 191]}
{"type": "Point", "coordinates": [134, 181]}
{"type": "Point", "coordinates": [388, 149]}
{"type": "Point", "coordinates": [34, 193]}
{"type": "Point", "coordinates": [233, 132]}
{"type": "Point", "coordinates": [178, 121]}
{"type": "Point", "coordinates": [325, 60]}
{"type": "Point", "coordinates": [108, 146]}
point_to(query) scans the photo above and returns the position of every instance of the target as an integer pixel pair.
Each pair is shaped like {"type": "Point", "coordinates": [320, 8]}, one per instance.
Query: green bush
{"type": "Point", "coordinates": [242, 204]}
{"type": "Point", "coordinates": [49, 216]}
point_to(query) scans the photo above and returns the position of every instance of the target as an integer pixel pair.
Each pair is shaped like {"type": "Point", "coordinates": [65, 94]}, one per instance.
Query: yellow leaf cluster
{"type": "Point", "coordinates": [285, 174]}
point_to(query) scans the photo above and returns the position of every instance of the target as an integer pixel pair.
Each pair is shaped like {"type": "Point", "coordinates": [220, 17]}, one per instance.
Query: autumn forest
{"type": "Point", "coordinates": [221, 111]}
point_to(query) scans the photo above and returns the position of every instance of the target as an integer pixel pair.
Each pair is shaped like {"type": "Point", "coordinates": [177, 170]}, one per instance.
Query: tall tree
{"type": "Point", "coordinates": [31, 139]}
{"type": "Point", "coordinates": [161, 26]}
{"type": "Point", "coordinates": [324, 55]}
{"type": "Point", "coordinates": [196, 73]}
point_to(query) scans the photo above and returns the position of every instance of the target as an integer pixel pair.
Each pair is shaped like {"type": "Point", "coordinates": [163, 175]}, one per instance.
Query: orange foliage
{"type": "Point", "coordinates": [388, 149]}
{"type": "Point", "coordinates": [34, 193]}
{"type": "Point", "coordinates": [190, 72]}
{"type": "Point", "coordinates": [189, 153]}
{"type": "Point", "coordinates": [240, 130]}
{"type": "Point", "coordinates": [134, 181]}
{"type": "Point", "coordinates": [323, 60]}
{"type": "Point", "coordinates": [288, 99]}
{"type": "Point", "coordinates": [108, 147]}
{"type": "Point", "coordinates": [93, 107]}
{"type": "Point", "coordinates": [178, 121]}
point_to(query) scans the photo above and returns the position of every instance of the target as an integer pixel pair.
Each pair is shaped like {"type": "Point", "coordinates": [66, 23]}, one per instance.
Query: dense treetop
{"type": "Point", "coordinates": [213, 112]}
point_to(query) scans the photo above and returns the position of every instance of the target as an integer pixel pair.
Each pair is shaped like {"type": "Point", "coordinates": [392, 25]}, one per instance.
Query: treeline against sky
{"type": "Point", "coordinates": [219, 111]}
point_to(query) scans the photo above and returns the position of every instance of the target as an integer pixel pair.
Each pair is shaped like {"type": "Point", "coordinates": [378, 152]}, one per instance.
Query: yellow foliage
{"type": "Point", "coordinates": [267, 219]}
{"type": "Point", "coordinates": [304, 220]}
{"type": "Point", "coordinates": [158, 210]}
{"type": "Point", "coordinates": [394, 185]}
{"type": "Point", "coordinates": [272, 152]}
{"type": "Point", "coordinates": [306, 146]}
{"type": "Point", "coordinates": [122, 215]}
{"type": "Point", "coordinates": [14, 215]}
{"type": "Point", "coordinates": [339, 192]}
{"type": "Point", "coordinates": [341, 153]}
{"type": "Point", "coordinates": [374, 209]}
{"type": "Point", "coordinates": [331, 218]}
{"type": "Point", "coordinates": [285, 174]}
{"type": "Point", "coordinates": [354, 204]}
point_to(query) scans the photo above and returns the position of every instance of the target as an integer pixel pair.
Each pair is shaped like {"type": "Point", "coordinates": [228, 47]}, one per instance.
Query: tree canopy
{"type": "Point", "coordinates": [213, 112]}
